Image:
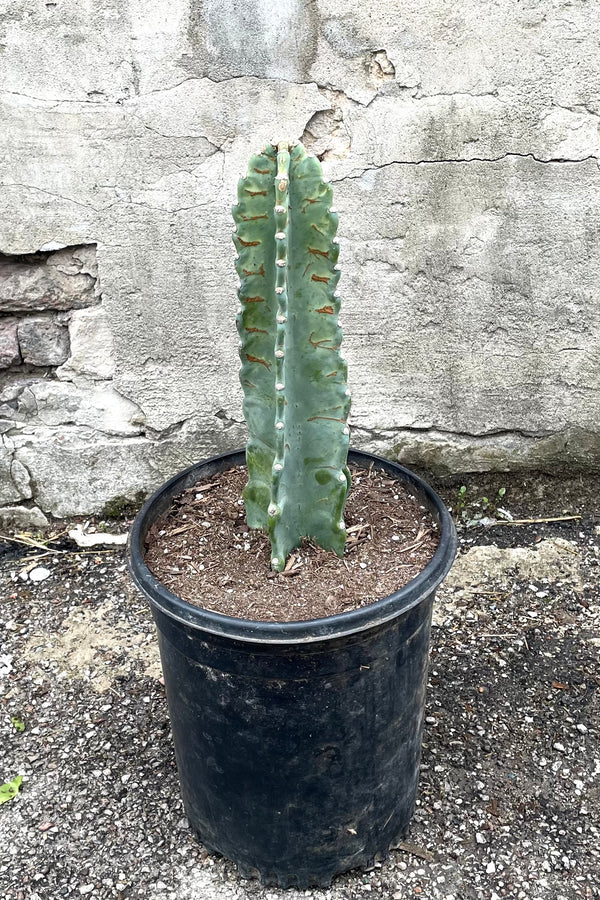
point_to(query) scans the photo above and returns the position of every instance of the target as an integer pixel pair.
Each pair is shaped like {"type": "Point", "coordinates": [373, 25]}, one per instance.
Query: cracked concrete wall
{"type": "Point", "coordinates": [463, 143]}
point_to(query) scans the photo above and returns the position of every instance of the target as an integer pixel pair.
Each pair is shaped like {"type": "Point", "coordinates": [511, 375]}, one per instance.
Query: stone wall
{"type": "Point", "coordinates": [463, 143]}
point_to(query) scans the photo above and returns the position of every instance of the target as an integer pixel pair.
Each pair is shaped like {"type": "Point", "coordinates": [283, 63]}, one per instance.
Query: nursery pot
{"type": "Point", "coordinates": [297, 743]}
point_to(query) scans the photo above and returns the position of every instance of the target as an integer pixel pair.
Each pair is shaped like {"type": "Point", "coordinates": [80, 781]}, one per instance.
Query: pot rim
{"type": "Point", "coordinates": [305, 631]}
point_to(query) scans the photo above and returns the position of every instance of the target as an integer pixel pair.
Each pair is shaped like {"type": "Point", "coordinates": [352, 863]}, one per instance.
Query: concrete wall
{"type": "Point", "coordinates": [462, 140]}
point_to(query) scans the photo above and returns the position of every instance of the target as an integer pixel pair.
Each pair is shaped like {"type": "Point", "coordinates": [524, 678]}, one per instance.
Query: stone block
{"type": "Point", "coordinates": [91, 346]}
{"type": "Point", "coordinates": [61, 280]}
{"type": "Point", "coordinates": [10, 354]}
{"type": "Point", "coordinates": [43, 341]}
{"type": "Point", "coordinates": [47, 402]}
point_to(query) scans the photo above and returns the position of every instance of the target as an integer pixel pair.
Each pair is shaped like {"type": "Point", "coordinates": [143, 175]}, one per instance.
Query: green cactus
{"type": "Point", "coordinates": [296, 402]}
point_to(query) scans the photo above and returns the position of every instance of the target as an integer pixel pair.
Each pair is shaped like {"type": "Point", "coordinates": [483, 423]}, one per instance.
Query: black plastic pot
{"type": "Point", "coordinates": [297, 743]}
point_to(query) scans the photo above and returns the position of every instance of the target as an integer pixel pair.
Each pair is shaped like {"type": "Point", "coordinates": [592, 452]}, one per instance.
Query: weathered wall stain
{"type": "Point", "coordinates": [230, 38]}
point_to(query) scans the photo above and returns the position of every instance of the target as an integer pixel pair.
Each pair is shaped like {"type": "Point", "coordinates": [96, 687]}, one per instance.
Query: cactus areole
{"type": "Point", "coordinates": [296, 400]}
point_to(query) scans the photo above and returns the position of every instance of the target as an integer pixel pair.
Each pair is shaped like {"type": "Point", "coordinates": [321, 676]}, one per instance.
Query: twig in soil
{"type": "Point", "coordinates": [183, 528]}
{"type": "Point", "coordinates": [419, 852]}
{"type": "Point", "coordinates": [423, 532]}
{"type": "Point", "coordinates": [565, 549]}
{"type": "Point", "coordinates": [535, 521]}
{"type": "Point", "coordinates": [30, 542]}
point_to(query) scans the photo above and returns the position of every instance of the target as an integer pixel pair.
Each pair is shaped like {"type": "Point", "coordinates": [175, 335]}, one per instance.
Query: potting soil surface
{"type": "Point", "coordinates": [204, 552]}
{"type": "Point", "coordinates": [509, 797]}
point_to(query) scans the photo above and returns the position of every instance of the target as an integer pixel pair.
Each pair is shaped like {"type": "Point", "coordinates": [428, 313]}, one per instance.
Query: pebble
{"type": "Point", "coordinates": [40, 574]}
{"type": "Point", "coordinates": [582, 728]}
{"type": "Point", "coordinates": [559, 747]}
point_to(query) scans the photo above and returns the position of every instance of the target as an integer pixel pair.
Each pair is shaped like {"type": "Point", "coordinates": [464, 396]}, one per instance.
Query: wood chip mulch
{"type": "Point", "coordinates": [204, 552]}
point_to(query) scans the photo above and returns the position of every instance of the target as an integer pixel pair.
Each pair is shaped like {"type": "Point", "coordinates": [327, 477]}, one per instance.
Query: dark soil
{"type": "Point", "coordinates": [204, 552]}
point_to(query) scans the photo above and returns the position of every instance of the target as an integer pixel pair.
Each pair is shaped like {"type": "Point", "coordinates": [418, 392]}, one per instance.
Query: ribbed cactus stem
{"type": "Point", "coordinates": [294, 379]}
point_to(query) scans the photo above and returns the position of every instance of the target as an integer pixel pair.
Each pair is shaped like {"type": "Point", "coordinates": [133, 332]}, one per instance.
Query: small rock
{"type": "Point", "coordinates": [559, 747]}
{"type": "Point", "coordinates": [479, 838]}
{"type": "Point", "coordinates": [22, 517]}
{"type": "Point", "coordinates": [490, 868]}
{"type": "Point", "coordinates": [39, 574]}
{"type": "Point", "coordinates": [582, 728]}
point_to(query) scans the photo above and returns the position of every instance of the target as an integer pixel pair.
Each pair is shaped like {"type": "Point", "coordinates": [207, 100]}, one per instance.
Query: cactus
{"type": "Point", "coordinates": [296, 401]}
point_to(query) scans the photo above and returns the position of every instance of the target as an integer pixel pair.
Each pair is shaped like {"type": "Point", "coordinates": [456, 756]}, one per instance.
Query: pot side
{"type": "Point", "coordinates": [297, 743]}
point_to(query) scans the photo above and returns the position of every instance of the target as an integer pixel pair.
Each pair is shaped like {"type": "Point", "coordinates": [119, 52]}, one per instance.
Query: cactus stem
{"type": "Point", "coordinates": [285, 236]}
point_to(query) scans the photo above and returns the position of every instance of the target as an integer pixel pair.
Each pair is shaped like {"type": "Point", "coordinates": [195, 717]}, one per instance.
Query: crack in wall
{"type": "Point", "coordinates": [385, 433]}
{"type": "Point", "coordinates": [467, 161]}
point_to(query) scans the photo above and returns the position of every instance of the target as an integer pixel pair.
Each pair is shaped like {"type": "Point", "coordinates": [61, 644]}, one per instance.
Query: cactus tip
{"type": "Point", "coordinates": [280, 236]}
{"type": "Point", "coordinates": [279, 209]}
{"type": "Point", "coordinates": [279, 386]}
{"type": "Point", "coordinates": [341, 477]}
{"type": "Point", "coordinates": [279, 290]}
{"type": "Point", "coordinates": [279, 354]}
{"type": "Point", "coordinates": [345, 430]}
{"type": "Point", "coordinates": [280, 263]}
{"type": "Point", "coordinates": [279, 426]}
{"type": "Point", "coordinates": [281, 318]}
{"type": "Point", "coordinates": [272, 510]}
{"type": "Point", "coordinates": [278, 467]}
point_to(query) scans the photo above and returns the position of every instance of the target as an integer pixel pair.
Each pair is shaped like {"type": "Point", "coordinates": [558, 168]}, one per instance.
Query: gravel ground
{"type": "Point", "coordinates": [510, 781]}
